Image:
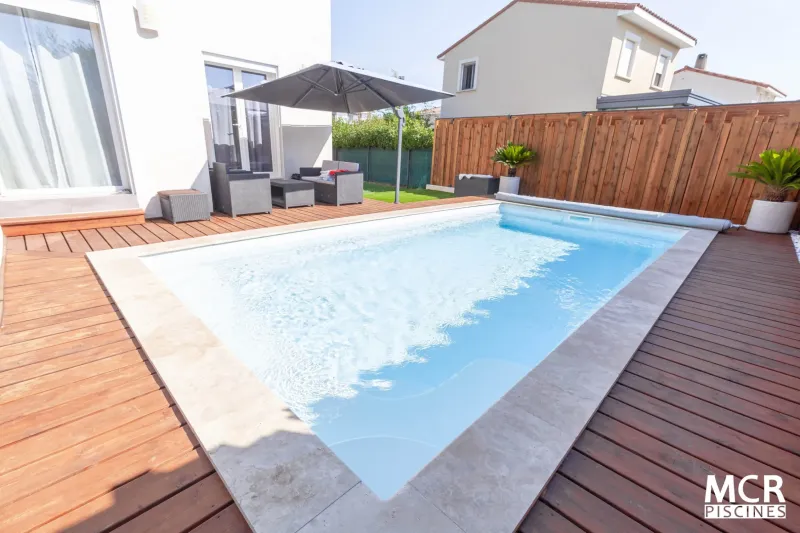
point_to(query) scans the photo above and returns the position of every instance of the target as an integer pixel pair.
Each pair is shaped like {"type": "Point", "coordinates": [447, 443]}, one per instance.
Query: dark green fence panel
{"type": "Point", "coordinates": [354, 155]}
{"type": "Point", "coordinates": [381, 165]}
{"type": "Point", "coordinates": [419, 173]}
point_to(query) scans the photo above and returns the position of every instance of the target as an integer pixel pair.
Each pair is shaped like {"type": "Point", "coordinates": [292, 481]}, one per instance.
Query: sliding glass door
{"type": "Point", "coordinates": [243, 133]}
{"type": "Point", "coordinates": [55, 127]}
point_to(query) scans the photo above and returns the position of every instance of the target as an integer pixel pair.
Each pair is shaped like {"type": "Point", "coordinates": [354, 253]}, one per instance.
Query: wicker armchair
{"type": "Point", "coordinates": [240, 192]}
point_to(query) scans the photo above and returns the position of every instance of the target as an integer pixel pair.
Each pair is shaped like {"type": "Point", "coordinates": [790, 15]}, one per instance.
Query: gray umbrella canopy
{"type": "Point", "coordinates": [338, 88]}
{"type": "Point", "coordinates": [342, 89]}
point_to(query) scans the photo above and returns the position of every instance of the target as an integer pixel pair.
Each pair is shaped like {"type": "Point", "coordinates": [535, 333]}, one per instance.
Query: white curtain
{"type": "Point", "coordinates": [25, 158]}
{"type": "Point", "coordinates": [55, 127]}
{"type": "Point", "coordinates": [221, 116]}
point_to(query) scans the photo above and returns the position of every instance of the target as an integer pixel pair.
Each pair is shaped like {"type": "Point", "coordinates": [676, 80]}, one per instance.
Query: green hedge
{"type": "Point", "coordinates": [381, 132]}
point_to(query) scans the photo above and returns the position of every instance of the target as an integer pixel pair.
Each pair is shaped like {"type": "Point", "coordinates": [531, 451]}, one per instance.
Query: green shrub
{"type": "Point", "coordinates": [778, 170]}
{"type": "Point", "coordinates": [381, 132]}
{"type": "Point", "coordinates": [513, 156]}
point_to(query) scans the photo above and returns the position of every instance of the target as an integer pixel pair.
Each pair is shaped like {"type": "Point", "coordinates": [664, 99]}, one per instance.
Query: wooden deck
{"type": "Point", "coordinates": [158, 230]}
{"type": "Point", "coordinates": [714, 389]}
{"type": "Point", "coordinates": [90, 441]}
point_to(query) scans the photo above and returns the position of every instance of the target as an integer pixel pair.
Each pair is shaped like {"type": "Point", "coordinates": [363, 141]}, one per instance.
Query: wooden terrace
{"type": "Point", "coordinates": [91, 442]}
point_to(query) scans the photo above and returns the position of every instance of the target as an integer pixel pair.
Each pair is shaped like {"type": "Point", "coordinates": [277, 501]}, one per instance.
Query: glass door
{"type": "Point", "coordinates": [259, 145]}
{"type": "Point", "coordinates": [243, 133]}
{"type": "Point", "coordinates": [224, 123]}
{"type": "Point", "coordinates": [56, 130]}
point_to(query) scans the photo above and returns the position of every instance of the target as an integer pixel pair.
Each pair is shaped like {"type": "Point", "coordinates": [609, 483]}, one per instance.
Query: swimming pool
{"type": "Point", "coordinates": [389, 339]}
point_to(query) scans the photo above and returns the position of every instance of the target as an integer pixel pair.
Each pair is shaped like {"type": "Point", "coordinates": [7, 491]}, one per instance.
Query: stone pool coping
{"type": "Point", "coordinates": [285, 480]}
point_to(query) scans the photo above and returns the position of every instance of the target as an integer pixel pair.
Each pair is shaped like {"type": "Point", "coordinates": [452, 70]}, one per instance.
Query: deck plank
{"type": "Point", "coordinates": [53, 468]}
{"type": "Point", "coordinates": [145, 234]}
{"type": "Point", "coordinates": [95, 239]}
{"type": "Point", "coordinates": [643, 506]}
{"type": "Point", "coordinates": [15, 244]}
{"type": "Point", "coordinates": [93, 486]}
{"type": "Point", "coordinates": [184, 510]}
{"type": "Point", "coordinates": [56, 242]}
{"type": "Point", "coordinates": [112, 238]}
{"type": "Point", "coordinates": [129, 236]}
{"type": "Point", "coordinates": [76, 242]}
{"type": "Point", "coordinates": [587, 510]}
{"type": "Point", "coordinates": [35, 242]}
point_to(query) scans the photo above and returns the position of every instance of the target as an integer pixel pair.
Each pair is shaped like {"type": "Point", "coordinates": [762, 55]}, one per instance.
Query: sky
{"type": "Point", "coordinates": [753, 39]}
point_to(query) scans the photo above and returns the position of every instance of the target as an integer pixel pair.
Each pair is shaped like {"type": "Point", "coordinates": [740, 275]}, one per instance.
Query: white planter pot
{"type": "Point", "coordinates": [771, 217]}
{"type": "Point", "coordinates": [509, 184]}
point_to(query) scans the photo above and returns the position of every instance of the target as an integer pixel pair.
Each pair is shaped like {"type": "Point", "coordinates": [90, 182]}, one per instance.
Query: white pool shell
{"type": "Point", "coordinates": [285, 480]}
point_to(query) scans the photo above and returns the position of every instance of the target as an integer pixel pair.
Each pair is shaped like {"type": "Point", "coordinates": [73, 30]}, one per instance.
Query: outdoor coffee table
{"type": "Point", "coordinates": [292, 193]}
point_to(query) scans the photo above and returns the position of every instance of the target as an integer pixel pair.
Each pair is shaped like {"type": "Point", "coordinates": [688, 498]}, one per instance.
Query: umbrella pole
{"type": "Point", "coordinates": [401, 118]}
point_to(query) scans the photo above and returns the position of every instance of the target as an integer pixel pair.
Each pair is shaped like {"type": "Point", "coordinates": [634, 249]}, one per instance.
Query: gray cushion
{"type": "Point", "coordinates": [352, 167]}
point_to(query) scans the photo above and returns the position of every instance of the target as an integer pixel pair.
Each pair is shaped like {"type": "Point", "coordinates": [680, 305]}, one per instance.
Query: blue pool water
{"type": "Point", "coordinates": [390, 338]}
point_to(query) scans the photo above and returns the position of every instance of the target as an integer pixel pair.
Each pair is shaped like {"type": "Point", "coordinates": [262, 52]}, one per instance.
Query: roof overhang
{"type": "Point", "coordinates": [645, 20]}
{"type": "Point", "coordinates": [676, 98]}
{"type": "Point", "coordinates": [772, 90]}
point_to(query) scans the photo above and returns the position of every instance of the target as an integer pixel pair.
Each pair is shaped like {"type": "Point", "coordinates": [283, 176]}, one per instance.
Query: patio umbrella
{"type": "Point", "coordinates": [344, 89]}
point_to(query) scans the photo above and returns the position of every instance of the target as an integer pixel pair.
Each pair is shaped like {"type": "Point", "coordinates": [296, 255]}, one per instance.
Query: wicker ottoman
{"type": "Point", "coordinates": [476, 185]}
{"type": "Point", "coordinates": [184, 205]}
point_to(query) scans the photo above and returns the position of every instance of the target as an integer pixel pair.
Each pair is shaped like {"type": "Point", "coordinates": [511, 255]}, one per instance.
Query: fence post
{"type": "Point", "coordinates": [369, 166]}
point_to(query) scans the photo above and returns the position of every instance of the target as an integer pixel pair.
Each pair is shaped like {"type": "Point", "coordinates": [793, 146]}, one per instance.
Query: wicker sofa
{"type": "Point", "coordinates": [340, 189]}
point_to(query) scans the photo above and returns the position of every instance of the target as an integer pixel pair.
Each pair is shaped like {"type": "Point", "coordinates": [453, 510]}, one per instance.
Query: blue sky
{"type": "Point", "coordinates": [751, 39]}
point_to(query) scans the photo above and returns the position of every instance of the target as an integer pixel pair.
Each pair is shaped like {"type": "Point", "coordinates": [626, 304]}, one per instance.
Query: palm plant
{"type": "Point", "coordinates": [513, 156]}
{"type": "Point", "coordinates": [778, 170]}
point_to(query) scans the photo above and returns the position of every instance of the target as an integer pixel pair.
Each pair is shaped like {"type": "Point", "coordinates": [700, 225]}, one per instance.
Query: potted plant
{"type": "Point", "coordinates": [779, 171]}
{"type": "Point", "coordinates": [513, 156]}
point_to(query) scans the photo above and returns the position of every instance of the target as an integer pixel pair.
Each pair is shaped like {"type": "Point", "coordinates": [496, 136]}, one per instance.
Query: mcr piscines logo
{"type": "Point", "coordinates": [725, 506]}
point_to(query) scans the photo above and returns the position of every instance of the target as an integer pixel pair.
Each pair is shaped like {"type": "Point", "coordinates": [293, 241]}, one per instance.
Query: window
{"type": "Point", "coordinates": [468, 74]}
{"type": "Point", "coordinates": [243, 133]}
{"type": "Point", "coordinates": [627, 56]}
{"type": "Point", "coordinates": [58, 122]}
{"type": "Point", "coordinates": [660, 74]}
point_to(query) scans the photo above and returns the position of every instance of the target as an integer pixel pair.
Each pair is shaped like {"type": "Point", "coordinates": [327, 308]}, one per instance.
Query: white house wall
{"type": "Point", "coordinates": [161, 86]}
{"type": "Point", "coordinates": [719, 89]}
{"type": "Point", "coordinates": [644, 64]}
{"type": "Point", "coordinates": [533, 58]}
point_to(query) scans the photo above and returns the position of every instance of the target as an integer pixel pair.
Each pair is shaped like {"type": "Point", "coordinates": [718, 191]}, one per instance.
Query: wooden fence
{"type": "Point", "coordinates": [669, 160]}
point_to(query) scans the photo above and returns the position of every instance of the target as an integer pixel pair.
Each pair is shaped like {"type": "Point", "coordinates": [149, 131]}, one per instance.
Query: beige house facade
{"type": "Point", "coordinates": [551, 56]}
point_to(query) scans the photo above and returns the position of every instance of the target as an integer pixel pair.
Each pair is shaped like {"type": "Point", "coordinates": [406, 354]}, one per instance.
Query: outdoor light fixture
{"type": "Point", "coordinates": [147, 11]}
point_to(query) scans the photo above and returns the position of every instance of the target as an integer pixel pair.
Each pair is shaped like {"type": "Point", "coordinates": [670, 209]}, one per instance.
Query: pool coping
{"type": "Point", "coordinates": [284, 479]}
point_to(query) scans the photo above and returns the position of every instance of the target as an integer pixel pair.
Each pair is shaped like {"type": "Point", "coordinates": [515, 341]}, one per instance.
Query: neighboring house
{"type": "Point", "coordinates": [353, 117]}
{"type": "Point", "coordinates": [721, 87]}
{"type": "Point", "coordinates": [105, 102]}
{"type": "Point", "coordinates": [549, 56]}
{"type": "Point", "coordinates": [430, 114]}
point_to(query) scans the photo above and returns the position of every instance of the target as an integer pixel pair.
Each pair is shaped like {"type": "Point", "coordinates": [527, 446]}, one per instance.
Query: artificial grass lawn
{"type": "Point", "coordinates": [385, 193]}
